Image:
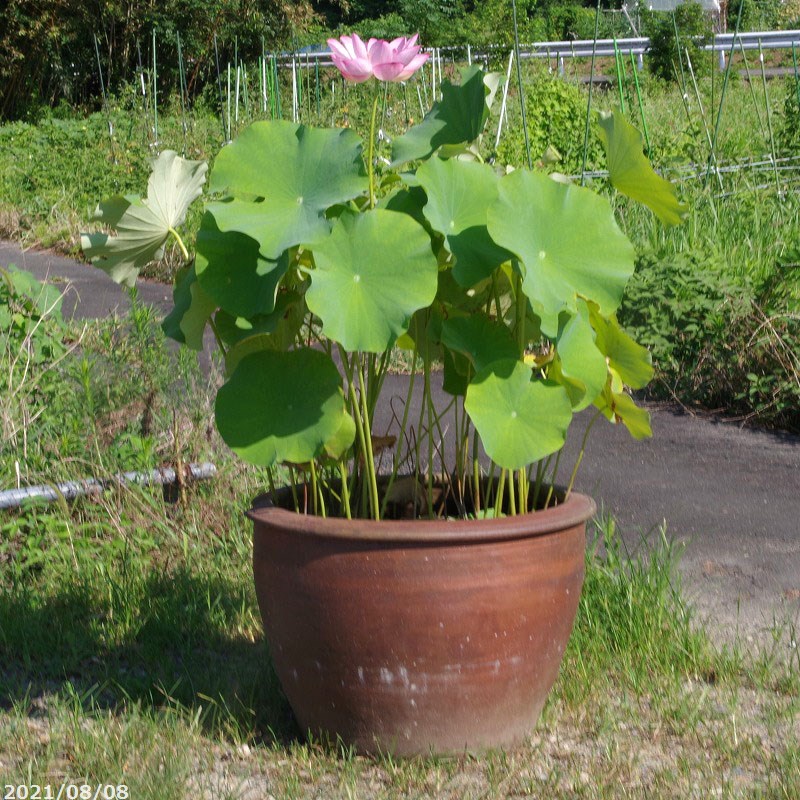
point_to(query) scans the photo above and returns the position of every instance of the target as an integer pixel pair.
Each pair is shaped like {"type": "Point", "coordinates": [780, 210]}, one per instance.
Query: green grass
{"type": "Point", "coordinates": [144, 663]}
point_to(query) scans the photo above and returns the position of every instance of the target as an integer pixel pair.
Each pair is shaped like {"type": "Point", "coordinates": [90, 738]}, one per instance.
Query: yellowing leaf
{"type": "Point", "coordinates": [630, 171]}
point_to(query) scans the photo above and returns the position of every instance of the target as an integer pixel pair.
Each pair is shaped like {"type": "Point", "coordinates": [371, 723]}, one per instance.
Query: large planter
{"type": "Point", "coordinates": [419, 636]}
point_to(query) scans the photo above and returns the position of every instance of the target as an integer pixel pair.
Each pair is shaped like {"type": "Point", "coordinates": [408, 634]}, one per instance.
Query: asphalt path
{"type": "Point", "coordinates": [730, 496]}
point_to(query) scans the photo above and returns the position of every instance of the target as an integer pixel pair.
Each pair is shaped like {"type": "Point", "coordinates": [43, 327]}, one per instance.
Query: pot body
{"type": "Point", "coordinates": [419, 637]}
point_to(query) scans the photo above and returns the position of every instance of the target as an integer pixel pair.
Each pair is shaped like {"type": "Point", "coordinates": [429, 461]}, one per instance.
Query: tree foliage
{"type": "Point", "coordinates": [47, 47]}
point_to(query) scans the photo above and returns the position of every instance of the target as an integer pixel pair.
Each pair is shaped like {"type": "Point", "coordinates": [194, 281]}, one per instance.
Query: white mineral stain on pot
{"type": "Point", "coordinates": [386, 676]}
{"type": "Point", "coordinates": [413, 703]}
{"type": "Point", "coordinates": [294, 674]}
{"type": "Point", "coordinates": [361, 674]}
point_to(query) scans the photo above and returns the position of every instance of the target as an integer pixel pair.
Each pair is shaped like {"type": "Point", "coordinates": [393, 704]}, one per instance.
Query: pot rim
{"type": "Point", "coordinates": [576, 510]}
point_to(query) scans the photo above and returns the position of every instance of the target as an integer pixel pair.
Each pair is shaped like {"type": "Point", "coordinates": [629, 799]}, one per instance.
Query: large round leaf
{"type": "Point", "coordinates": [631, 362]}
{"type": "Point", "coordinates": [281, 406]}
{"type": "Point", "coordinates": [232, 270]}
{"type": "Point", "coordinates": [519, 420]}
{"type": "Point", "coordinates": [631, 173]}
{"type": "Point", "coordinates": [193, 307]}
{"type": "Point", "coordinates": [372, 273]}
{"type": "Point", "coordinates": [567, 240]}
{"type": "Point", "coordinates": [143, 225]}
{"type": "Point", "coordinates": [480, 338]}
{"type": "Point", "coordinates": [459, 194]}
{"type": "Point", "coordinates": [459, 117]}
{"type": "Point", "coordinates": [294, 173]}
{"type": "Point", "coordinates": [582, 364]}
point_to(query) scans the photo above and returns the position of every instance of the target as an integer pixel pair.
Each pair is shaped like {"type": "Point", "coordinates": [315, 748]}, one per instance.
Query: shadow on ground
{"type": "Point", "coordinates": [169, 650]}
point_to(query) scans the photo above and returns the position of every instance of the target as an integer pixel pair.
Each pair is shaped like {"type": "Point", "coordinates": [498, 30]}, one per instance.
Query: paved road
{"type": "Point", "coordinates": [732, 496]}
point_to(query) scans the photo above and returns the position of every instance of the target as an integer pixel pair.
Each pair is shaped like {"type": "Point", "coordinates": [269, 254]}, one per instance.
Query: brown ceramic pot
{"type": "Point", "coordinates": [419, 636]}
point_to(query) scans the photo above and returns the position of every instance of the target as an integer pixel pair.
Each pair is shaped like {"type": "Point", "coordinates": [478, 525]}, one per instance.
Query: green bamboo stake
{"type": "Point", "coordinates": [219, 88]}
{"type": "Point", "coordinates": [796, 74]}
{"type": "Point", "coordinates": [316, 85]}
{"type": "Point", "coordinates": [309, 93]}
{"type": "Point", "coordinates": [278, 109]}
{"type": "Point", "coordinates": [105, 99]}
{"type": "Point", "coordinates": [270, 87]}
{"type": "Point", "coordinates": [618, 63]}
{"type": "Point", "coordinates": [273, 86]}
{"type": "Point", "coordinates": [520, 86]}
{"type": "Point", "coordinates": [155, 90]}
{"type": "Point", "coordinates": [678, 48]}
{"type": "Point", "coordinates": [299, 84]}
{"type": "Point", "coordinates": [228, 115]}
{"type": "Point", "coordinates": [641, 105]}
{"type": "Point", "coordinates": [769, 118]}
{"type": "Point", "coordinates": [181, 82]}
{"type": "Point", "coordinates": [724, 85]}
{"type": "Point", "coordinates": [712, 157]}
{"type": "Point", "coordinates": [245, 91]}
{"type": "Point", "coordinates": [145, 105]}
{"type": "Point", "coordinates": [752, 88]}
{"type": "Point", "coordinates": [589, 103]}
{"type": "Point", "coordinates": [236, 99]}
{"type": "Point", "coordinates": [263, 76]}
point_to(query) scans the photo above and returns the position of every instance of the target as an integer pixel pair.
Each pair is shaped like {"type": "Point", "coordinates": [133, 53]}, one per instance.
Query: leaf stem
{"type": "Point", "coordinates": [580, 454]}
{"type": "Point", "coordinates": [182, 246]}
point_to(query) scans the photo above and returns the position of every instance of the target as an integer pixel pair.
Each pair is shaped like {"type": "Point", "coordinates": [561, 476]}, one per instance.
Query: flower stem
{"type": "Point", "coordinates": [369, 457]}
{"type": "Point", "coordinates": [371, 162]}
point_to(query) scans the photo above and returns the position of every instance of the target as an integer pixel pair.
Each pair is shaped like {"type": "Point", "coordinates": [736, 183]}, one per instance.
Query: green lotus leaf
{"type": "Point", "coordinates": [456, 372]}
{"type": "Point", "coordinates": [632, 362]}
{"type": "Point", "coordinates": [519, 420]}
{"type": "Point", "coordinates": [231, 268]}
{"type": "Point", "coordinates": [567, 241]}
{"type": "Point", "coordinates": [580, 360]}
{"type": "Point", "coordinates": [481, 339]}
{"type": "Point", "coordinates": [458, 118]}
{"type": "Point", "coordinates": [631, 173]}
{"type": "Point", "coordinates": [459, 193]}
{"type": "Point", "coordinates": [284, 177]}
{"type": "Point", "coordinates": [372, 273]}
{"type": "Point", "coordinates": [192, 309]}
{"type": "Point", "coordinates": [282, 323]}
{"type": "Point", "coordinates": [44, 297]}
{"type": "Point", "coordinates": [142, 226]}
{"type": "Point", "coordinates": [619, 407]}
{"type": "Point", "coordinates": [409, 201]}
{"type": "Point", "coordinates": [281, 406]}
{"type": "Point", "coordinates": [342, 440]}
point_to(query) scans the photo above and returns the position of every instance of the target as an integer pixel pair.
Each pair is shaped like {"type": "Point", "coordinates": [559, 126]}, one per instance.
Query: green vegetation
{"type": "Point", "coordinates": [729, 274]}
{"type": "Point", "coordinates": [131, 650]}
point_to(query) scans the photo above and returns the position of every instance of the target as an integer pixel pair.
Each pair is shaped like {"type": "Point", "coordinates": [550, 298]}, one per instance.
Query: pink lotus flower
{"type": "Point", "coordinates": [393, 61]}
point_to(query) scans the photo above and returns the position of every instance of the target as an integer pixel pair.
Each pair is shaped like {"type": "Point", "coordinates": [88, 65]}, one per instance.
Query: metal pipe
{"type": "Point", "coordinates": [69, 490]}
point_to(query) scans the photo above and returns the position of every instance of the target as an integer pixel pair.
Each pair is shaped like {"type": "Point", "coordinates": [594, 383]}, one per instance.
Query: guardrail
{"type": "Point", "coordinates": [584, 48]}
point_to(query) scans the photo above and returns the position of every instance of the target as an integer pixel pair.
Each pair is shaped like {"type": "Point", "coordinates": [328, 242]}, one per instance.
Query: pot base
{"type": "Point", "coordinates": [419, 637]}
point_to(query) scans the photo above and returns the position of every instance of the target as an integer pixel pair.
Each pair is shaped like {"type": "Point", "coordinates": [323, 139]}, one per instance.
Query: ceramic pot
{"type": "Point", "coordinates": [423, 636]}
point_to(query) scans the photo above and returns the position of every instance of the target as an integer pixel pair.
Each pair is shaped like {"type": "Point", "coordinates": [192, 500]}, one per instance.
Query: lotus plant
{"type": "Point", "coordinates": [311, 271]}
